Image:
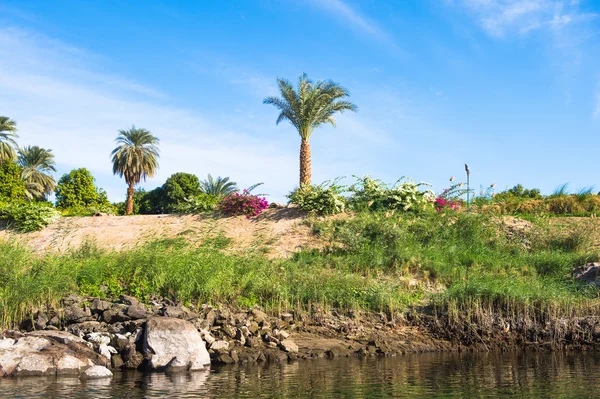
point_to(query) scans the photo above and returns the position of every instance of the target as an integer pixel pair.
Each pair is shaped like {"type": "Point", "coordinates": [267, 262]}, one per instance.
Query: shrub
{"type": "Point", "coordinates": [322, 199]}
{"type": "Point", "coordinates": [518, 192]}
{"type": "Point", "coordinates": [197, 204]}
{"type": "Point", "coordinates": [404, 195]}
{"type": "Point", "coordinates": [237, 204]}
{"type": "Point", "coordinates": [178, 188]}
{"type": "Point", "coordinates": [12, 187]}
{"type": "Point", "coordinates": [90, 210]}
{"type": "Point", "coordinates": [28, 216]}
{"type": "Point", "coordinates": [77, 190]}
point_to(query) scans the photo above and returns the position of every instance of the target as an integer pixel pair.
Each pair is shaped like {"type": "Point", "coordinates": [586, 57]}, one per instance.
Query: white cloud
{"type": "Point", "coordinates": [59, 101]}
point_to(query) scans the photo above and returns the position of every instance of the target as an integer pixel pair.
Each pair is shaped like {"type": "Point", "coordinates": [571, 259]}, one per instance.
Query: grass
{"type": "Point", "coordinates": [458, 260]}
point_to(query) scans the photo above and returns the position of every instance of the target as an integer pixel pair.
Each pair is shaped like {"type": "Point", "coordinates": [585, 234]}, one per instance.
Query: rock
{"type": "Point", "coordinates": [37, 322]}
{"type": "Point", "coordinates": [132, 358]}
{"type": "Point", "coordinates": [98, 338]}
{"type": "Point", "coordinates": [252, 342]}
{"type": "Point", "coordinates": [276, 205]}
{"type": "Point", "coordinates": [107, 351]}
{"type": "Point", "coordinates": [253, 327]}
{"type": "Point", "coordinates": [224, 358]}
{"type": "Point", "coordinates": [207, 337]}
{"type": "Point", "coordinates": [35, 364]}
{"type": "Point", "coordinates": [72, 299]}
{"type": "Point", "coordinates": [287, 317]}
{"type": "Point", "coordinates": [129, 300]}
{"type": "Point", "coordinates": [259, 315]}
{"type": "Point", "coordinates": [589, 273]}
{"type": "Point", "coordinates": [166, 338]}
{"type": "Point", "coordinates": [116, 362]}
{"type": "Point", "coordinates": [219, 345]}
{"type": "Point", "coordinates": [211, 316]}
{"type": "Point", "coordinates": [173, 311]}
{"type": "Point", "coordinates": [96, 372]}
{"type": "Point", "coordinates": [114, 315]}
{"type": "Point", "coordinates": [137, 311]}
{"type": "Point", "coordinates": [77, 314]}
{"type": "Point", "coordinates": [99, 305]}
{"type": "Point", "coordinates": [337, 351]}
{"type": "Point", "coordinates": [280, 334]}
{"type": "Point", "coordinates": [176, 365]}
{"type": "Point", "coordinates": [69, 365]}
{"type": "Point", "coordinates": [289, 346]}
{"type": "Point", "coordinates": [60, 336]}
{"type": "Point", "coordinates": [230, 331]}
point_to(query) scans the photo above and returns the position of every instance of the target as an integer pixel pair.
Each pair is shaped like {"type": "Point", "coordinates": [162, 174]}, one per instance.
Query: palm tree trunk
{"type": "Point", "coordinates": [305, 172]}
{"type": "Point", "coordinates": [129, 208]}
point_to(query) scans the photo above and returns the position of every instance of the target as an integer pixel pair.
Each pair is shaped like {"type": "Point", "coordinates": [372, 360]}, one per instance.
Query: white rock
{"type": "Point", "coordinates": [289, 346]}
{"type": "Point", "coordinates": [98, 338]}
{"type": "Point", "coordinates": [106, 350]}
{"type": "Point", "coordinates": [220, 345]}
{"type": "Point", "coordinates": [96, 372]}
{"type": "Point", "coordinates": [35, 364]}
{"type": "Point", "coordinates": [69, 365]}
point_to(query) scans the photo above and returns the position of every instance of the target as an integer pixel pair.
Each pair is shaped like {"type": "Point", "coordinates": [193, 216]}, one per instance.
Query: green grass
{"type": "Point", "coordinates": [459, 260]}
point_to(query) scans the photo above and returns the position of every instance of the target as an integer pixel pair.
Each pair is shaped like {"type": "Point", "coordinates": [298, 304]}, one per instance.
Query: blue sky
{"type": "Point", "coordinates": [511, 87]}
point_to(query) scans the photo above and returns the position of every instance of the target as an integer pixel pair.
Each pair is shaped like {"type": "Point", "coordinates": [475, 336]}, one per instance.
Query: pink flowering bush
{"type": "Point", "coordinates": [442, 204]}
{"type": "Point", "coordinates": [237, 204]}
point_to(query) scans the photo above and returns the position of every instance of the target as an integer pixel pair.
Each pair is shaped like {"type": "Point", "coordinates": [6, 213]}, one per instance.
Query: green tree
{"type": "Point", "coordinates": [77, 189]}
{"type": "Point", "coordinates": [12, 188]}
{"type": "Point", "coordinates": [310, 106]}
{"type": "Point", "coordinates": [36, 165]}
{"type": "Point", "coordinates": [219, 187]}
{"type": "Point", "coordinates": [178, 188]}
{"type": "Point", "coordinates": [135, 158]}
{"type": "Point", "coordinates": [8, 129]}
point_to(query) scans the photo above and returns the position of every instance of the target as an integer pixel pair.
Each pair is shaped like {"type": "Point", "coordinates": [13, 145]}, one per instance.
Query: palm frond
{"type": "Point", "coordinates": [219, 187]}
{"type": "Point", "coordinates": [8, 129]}
{"type": "Point", "coordinates": [136, 156]}
{"type": "Point", "coordinates": [37, 164]}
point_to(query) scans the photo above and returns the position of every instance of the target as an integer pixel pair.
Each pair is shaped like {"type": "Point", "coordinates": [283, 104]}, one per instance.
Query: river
{"type": "Point", "coordinates": [439, 375]}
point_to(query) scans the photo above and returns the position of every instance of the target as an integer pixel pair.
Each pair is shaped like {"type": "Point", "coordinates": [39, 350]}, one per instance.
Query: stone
{"type": "Point", "coordinates": [173, 312]}
{"type": "Point", "coordinates": [77, 314]}
{"type": "Point", "coordinates": [96, 372]}
{"type": "Point", "coordinates": [166, 338]}
{"type": "Point", "coordinates": [69, 365]}
{"type": "Point", "coordinates": [207, 337]}
{"type": "Point", "coordinates": [224, 358]}
{"type": "Point", "coordinates": [137, 311]}
{"type": "Point", "coordinates": [132, 358]}
{"type": "Point", "coordinates": [72, 299]}
{"type": "Point", "coordinates": [211, 316]}
{"type": "Point", "coordinates": [60, 336]}
{"type": "Point", "coordinates": [99, 305]}
{"type": "Point", "coordinates": [259, 315]}
{"type": "Point", "coordinates": [107, 351]}
{"type": "Point", "coordinates": [230, 331]}
{"type": "Point", "coordinates": [287, 317]}
{"type": "Point", "coordinates": [128, 300]}
{"type": "Point", "coordinates": [219, 345]}
{"type": "Point", "coordinates": [115, 315]}
{"type": "Point", "coordinates": [276, 205]}
{"type": "Point", "coordinates": [252, 342]}
{"type": "Point", "coordinates": [98, 338]}
{"type": "Point", "coordinates": [588, 273]}
{"type": "Point", "coordinates": [289, 346]}
{"type": "Point", "coordinates": [37, 322]}
{"type": "Point", "coordinates": [116, 362]}
{"type": "Point", "coordinates": [35, 364]}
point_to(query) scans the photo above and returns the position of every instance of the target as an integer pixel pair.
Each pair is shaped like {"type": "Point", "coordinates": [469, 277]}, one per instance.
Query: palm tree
{"type": "Point", "coordinates": [313, 104]}
{"type": "Point", "coordinates": [8, 135]}
{"type": "Point", "coordinates": [136, 158]}
{"type": "Point", "coordinates": [36, 165]}
{"type": "Point", "coordinates": [219, 187]}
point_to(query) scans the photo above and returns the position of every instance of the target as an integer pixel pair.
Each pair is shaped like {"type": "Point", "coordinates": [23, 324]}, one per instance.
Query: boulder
{"type": "Point", "coordinates": [289, 346]}
{"type": "Point", "coordinates": [96, 372]}
{"type": "Point", "coordinates": [99, 305]}
{"type": "Point", "coordinates": [115, 315]}
{"type": "Point", "coordinates": [137, 311]}
{"type": "Point", "coordinates": [589, 273]}
{"type": "Point", "coordinates": [76, 314]}
{"type": "Point", "coordinates": [168, 338]}
{"type": "Point", "coordinates": [220, 345]}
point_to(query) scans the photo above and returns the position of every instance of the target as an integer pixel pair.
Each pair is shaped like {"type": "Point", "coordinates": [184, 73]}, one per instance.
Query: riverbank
{"type": "Point", "coordinates": [361, 284]}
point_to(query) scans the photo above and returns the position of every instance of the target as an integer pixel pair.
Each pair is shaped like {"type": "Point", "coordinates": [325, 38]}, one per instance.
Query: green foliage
{"type": "Point", "coordinates": [322, 199]}
{"type": "Point", "coordinates": [404, 195]}
{"type": "Point", "coordinates": [37, 164]}
{"type": "Point", "coordinates": [197, 204]}
{"type": "Point", "coordinates": [12, 188]}
{"type": "Point", "coordinates": [178, 188]}
{"type": "Point", "coordinates": [136, 156]}
{"type": "Point", "coordinates": [219, 187]}
{"type": "Point", "coordinates": [518, 192]}
{"type": "Point", "coordinates": [77, 190]}
{"type": "Point", "coordinates": [28, 216]}
{"type": "Point", "coordinates": [560, 191]}
{"type": "Point", "coordinates": [8, 134]}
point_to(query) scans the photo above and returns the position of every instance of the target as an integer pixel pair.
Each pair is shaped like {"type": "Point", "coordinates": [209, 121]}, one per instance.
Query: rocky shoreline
{"type": "Point", "coordinates": [91, 336]}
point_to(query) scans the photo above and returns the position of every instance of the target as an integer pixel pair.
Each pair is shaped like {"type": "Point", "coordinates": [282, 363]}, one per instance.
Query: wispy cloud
{"type": "Point", "coordinates": [500, 18]}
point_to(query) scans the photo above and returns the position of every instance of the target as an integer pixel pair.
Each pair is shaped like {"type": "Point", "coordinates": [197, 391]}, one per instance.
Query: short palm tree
{"type": "Point", "coordinates": [8, 135]}
{"type": "Point", "coordinates": [219, 187]}
{"type": "Point", "coordinates": [37, 164]}
{"type": "Point", "coordinates": [313, 104]}
{"type": "Point", "coordinates": [135, 158]}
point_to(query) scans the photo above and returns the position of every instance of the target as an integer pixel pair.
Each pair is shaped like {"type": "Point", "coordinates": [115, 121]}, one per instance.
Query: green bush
{"type": "Point", "coordinates": [28, 216]}
{"type": "Point", "coordinates": [197, 204]}
{"type": "Point", "coordinates": [89, 210]}
{"type": "Point", "coordinates": [178, 188]}
{"type": "Point", "coordinates": [76, 189]}
{"type": "Point", "coordinates": [373, 194]}
{"type": "Point", "coordinates": [322, 199]}
{"type": "Point", "coordinates": [12, 187]}
{"type": "Point", "coordinates": [518, 192]}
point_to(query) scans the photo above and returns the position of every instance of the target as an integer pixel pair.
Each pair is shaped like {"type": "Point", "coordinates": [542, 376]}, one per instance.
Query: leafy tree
{"type": "Point", "coordinates": [219, 187]}
{"type": "Point", "coordinates": [518, 192]}
{"type": "Point", "coordinates": [12, 188]}
{"type": "Point", "coordinates": [312, 105]}
{"type": "Point", "coordinates": [77, 189]}
{"type": "Point", "coordinates": [135, 158]}
{"type": "Point", "coordinates": [178, 188]}
{"type": "Point", "coordinates": [36, 165]}
{"type": "Point", "coordinates": [8, 135]}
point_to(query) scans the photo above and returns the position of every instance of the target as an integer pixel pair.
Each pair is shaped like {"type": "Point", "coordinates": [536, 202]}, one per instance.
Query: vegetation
{"type": "Point", "coordinates": [12, 188]}
{"type": "Point", "coordinates": [219, 187]}
{"type": "Point", "coordinates": [8, 129]}
{"type": "Point", "coordinates": [236, 204]}
{"type": "Point", "coordinates": [135, 158]}
{"type": "Point", "coordinates": [27, 217]}
{"type": "Point", "coordinates": [322, 199]}
{"type": "Point", "coordinates": [37, 164]}
{"type": "Point", "coordinates": [313, 104]}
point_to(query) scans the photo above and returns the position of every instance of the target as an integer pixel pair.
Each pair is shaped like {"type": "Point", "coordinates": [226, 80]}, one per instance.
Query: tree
{"type": "Point", "coordinates": [12, 188]}
{"type": "Point", "coordinates": [135, 158]}
{"type": "Point", "coordinates": [178, 188]}
{"type": "Point", "coordinates": [36, 165]}
{"type": "Point", "coordinates": [312, 105]}
{"type": "Point", "coordinates": [219, 187]}
{"type": "Point", "coordinates": [8, 135]}
{"type": "Point", "coordinates": [77, 189]}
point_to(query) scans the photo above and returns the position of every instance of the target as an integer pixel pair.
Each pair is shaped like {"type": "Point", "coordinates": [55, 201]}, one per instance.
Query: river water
{"type": "Point", "coordinates": [488, 375]}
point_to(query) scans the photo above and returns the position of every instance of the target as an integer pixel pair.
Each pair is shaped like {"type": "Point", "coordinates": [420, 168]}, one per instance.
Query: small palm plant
{"type": "Point", "coordinates": [135, 158]}
{"type": "Point", "coordinates": [8, 129]}
{"type": "Point", "coordinates": [219, 187]}
{"type": "Point", "coordinates": [37, 164]}
{"type": "Point", "coordinates": [310, 106]}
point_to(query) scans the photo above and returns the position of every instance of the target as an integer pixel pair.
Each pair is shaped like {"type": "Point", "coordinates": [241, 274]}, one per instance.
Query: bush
{"type": "Point", "coordinates": [197, 204]}
{"type": "Point", "coordinates": [178, 188]}
{"type": "Point", "coordinates": [405, 195]}
{"type": "Point", "coordinates": [77, 190]}
{"type": "Point", "coordinates": [12, 187]}
{"type": "Point", "coordinates": [90, 210]}
{"type": "Point", "coordinates": [237, 204]}
{"type": "Point", "coordinates": [518, 192]}
{"type": "Point", "coordinates": [322, 199]}
{"type": "Point", "coordinates": [28, 216]}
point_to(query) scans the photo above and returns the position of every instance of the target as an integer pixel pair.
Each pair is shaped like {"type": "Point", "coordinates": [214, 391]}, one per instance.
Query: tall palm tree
{"type": "Point", "coordinates": [312, 105]}
{"type": "Point", "coordinates": [219, 187]}
{"type": "Point", "coordinates": [8, 135]}
{"type": "Point", "coordinates": [37, 164]}
{"type": "Point", "coordinates": [136, 158]}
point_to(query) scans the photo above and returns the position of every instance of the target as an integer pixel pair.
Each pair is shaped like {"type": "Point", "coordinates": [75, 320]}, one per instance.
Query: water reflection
{"type": "Point", "coordinates": [491, 375]}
